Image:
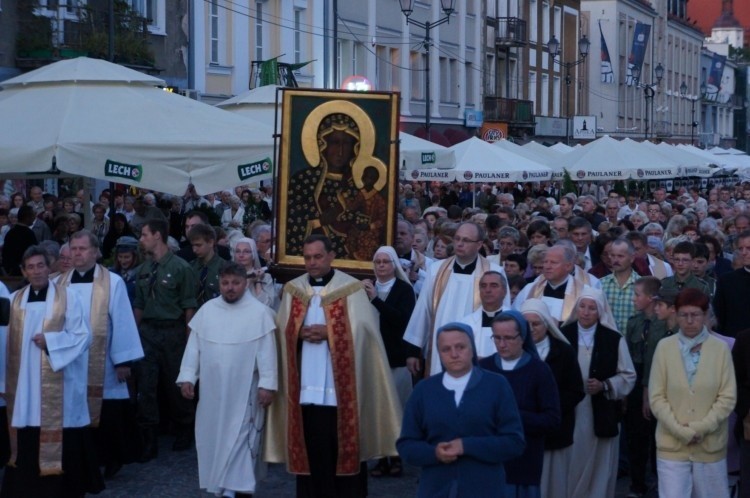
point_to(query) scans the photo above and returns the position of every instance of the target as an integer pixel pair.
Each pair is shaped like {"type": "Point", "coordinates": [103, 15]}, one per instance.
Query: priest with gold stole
{"type": "Point", "coordinates": [44, 381]}
{"type": "Point", "coordinates": [114, 345]}
{"type": "Point", "coordinates": [337, 405]}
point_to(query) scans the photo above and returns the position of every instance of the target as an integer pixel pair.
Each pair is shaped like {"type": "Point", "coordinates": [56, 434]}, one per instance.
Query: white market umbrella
{"type": "Point", "coordinates": [102, 120]}
{"type": "Point", "coordinates": [730, 151]}
{"type": "Point", "coordinates": [258, 103]}
{"type": "Point", "coordinates": [417, 153]}
{"type": "Point", "coordinates": [561, 147]}
{"type": "Point", "coordinates": [479, 161]}
{"type": "Point", "coordinates": [726, 162]}
{"type": "Point", "coordinates": [541, 158]}
{"type": "Point", "coordinates": [549, 152]}
{"type": "Point", "coordinates": [608, 159]}
{"type": "Point", "coordinates": [691, 164]}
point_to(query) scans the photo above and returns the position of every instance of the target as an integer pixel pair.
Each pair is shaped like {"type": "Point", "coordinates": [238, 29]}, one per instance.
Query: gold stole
{"type": "Point", "coordinates": [570, 297]}
{"type": "Point", "coordinates": [341, 346]}
{"type": "Point", "coordinates": [50, 435]}
{"type": "Point", "coordinates": [660, 269]}
{"type": "Point", "coordinates": [441, 281]}
{"type": "Point", "coordinates": [99, 322]}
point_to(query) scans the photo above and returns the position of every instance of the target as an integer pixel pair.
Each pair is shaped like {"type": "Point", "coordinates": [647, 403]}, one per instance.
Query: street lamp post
{"type": "Point", "coordinates": [553, 48]}
{"type": "Point", "coordinates": [692, 99]}
{"type": "Point", "coordinates": [649, 90]}
{"type": "Point", "coordinates": [407, 8]}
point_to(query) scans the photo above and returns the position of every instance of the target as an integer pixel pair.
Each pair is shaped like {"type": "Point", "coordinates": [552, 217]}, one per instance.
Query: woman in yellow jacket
{"type": "Point", "coordinates": [692, 391]}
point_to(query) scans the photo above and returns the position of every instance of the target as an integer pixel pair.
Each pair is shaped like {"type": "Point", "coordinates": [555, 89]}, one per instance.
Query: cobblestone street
{"type": "Point", "coordinates": [176, 475]}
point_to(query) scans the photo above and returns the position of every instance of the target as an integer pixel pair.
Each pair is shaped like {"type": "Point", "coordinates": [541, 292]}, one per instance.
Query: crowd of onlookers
{"type": "Point", "coordinates": [655, 268]}
{"type": "Point", "coordinates": [117, 218]}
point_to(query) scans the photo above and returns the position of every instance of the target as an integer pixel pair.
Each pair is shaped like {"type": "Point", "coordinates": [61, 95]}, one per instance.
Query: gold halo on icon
{"type": "Point", "coordinates": [309, 136]}
{"type": "Point", "coordinates": [359, 168]}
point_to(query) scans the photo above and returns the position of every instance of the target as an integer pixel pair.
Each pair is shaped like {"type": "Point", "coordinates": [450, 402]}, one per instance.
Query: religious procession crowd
{"type": "Point", "coordinates": [509, 341]}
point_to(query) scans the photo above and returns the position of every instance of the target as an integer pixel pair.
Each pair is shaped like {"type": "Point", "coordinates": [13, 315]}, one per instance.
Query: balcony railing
{"type": "Point", "coordinates": [508, 110]}
{"type": "Point", "coordinates": [510, 32]}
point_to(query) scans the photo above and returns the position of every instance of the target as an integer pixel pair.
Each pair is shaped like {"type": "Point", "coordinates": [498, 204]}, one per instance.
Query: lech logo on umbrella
{"type": "Point", "coordinates": [121, 170]}
{"type": "Point", "coordinates": [250, 170]}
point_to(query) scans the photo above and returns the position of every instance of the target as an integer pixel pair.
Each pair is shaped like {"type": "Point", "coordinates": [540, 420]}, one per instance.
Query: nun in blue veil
{"type": "Point", "coordinates": [461, 424]}
{"type": "Point", "coordinates": [536, 394]}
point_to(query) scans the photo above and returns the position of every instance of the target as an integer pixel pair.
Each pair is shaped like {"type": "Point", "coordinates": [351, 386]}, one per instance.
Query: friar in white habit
{"type": "Point", "coordinates": [232, 350]}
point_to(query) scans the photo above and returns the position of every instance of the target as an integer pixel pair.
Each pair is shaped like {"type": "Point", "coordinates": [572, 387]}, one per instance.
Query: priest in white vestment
{"type": "Point", "coordinates": [232, 350]}
{"type": "Point", "coordinates": [44, 379]}
{"type": "Point", "coordinates": [450, 291]}
{"type": "Point", "coordinates": [492, 291]}
{"type": "Point", "coordinates": [560, 283]}
{"type": "Point", "coordinates": [115, 344]}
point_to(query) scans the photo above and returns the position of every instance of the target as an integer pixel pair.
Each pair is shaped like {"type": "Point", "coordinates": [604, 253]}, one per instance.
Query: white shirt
{"type": "Point", "coordinates": [316, 378]}
{"type": "Point", "coordinates": [542, 347]}
{"type": "Point", "coordinates": [456, 384]}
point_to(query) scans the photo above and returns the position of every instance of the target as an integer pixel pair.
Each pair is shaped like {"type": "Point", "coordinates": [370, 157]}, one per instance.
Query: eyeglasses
{"type": "Point", "coordinates": [383, 262]}
{"type": "Point", "coordinates": [690, 316]}
{"type": "Point", "coordinates": [505, 338]}
{"type": "Point", "coordinates": [464, 240]}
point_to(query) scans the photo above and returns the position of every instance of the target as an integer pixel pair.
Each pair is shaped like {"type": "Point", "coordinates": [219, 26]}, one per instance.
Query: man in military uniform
{"type": "Point", "coordinates": [207, 264]}
{"type": "Point", "coordinates": [164, 304]}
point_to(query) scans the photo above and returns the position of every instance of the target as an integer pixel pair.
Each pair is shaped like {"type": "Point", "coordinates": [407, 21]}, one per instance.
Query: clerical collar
{"type": "Point", "coordinates": [39, 296]}
{"type": "Point", "coordinates": [322, 281]}
{"type": "Point", "coordinates": [555, 287]}
{"type": "Point", "coordinates": [747, 269]}
{"type": "Point", "coordinates": [83, 278]}
{"type": "Point", "coordinates": [465, 269]}
{"type": "Point", "coordinates": [406, 255]}
{"type": "Point", "coordinates": [488, 316]}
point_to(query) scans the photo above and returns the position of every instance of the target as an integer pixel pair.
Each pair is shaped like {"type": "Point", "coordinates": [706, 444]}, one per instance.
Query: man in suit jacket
{"type": "Point", "coordinates": [732, 297]}
{"type": "Point", "coordinates": [17, 240]}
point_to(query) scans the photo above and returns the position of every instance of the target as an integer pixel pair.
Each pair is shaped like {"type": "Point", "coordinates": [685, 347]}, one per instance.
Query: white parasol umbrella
{"type": "Point", "coordinates": [608, 159]}
{"type": "Point", "coordinates": [417, 153]}
{"type": "Point", "coordinates": [258, 103]}
{"type": "Point", "coordinates": [528, 153]}
{"type": "Point", "coordinates": [561, 147]}
{"type": "Point", "coordinates": [102, 120]}
{"type": "Point", "coordinates": [480, 161]}
{"type": "Point", "coordinates": [692, 164]}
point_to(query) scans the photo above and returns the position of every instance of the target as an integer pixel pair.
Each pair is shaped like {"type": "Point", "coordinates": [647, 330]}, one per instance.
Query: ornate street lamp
{"type": "Point", "coordinates": [407, 8]}
{"type": "Point", "coordinates": [553, 48]}
{"type": "Point", "coordinates": [649, 90]}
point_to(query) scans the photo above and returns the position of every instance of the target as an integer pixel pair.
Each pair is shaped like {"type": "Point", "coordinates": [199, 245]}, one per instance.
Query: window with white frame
{"type": "Point", "coordinates": [416, 62]}
{"type": "Point", "coordinates": [445, 80]}
{"type": "Point", "coordinates": [339, 60]}
{"type": "Point", "coordinates": [556, 95]}
{"type": "Point", "coordinates": [454, 80]}
{"type": "Point", "coordinates": [469, 83]}
{"type": "Point", "coordinates": [69, 9]}
{"type": "Point", "coordinates": [544, 107]}
{"type": "Point", "coordinates": [356, 46]}
{"type": "Point", "coordinates": [533, 21]}
{"type": "Point", "coordinates": [532, 89]}
{"type": "Point", "coordinates": [298, 35]}
{"type": "Point", "coordinates": [155, 11]}
{"type": "Point", "coordinates": [213, 12]}
{"type": "Point", "coordinates": [395, 69]}
{"type": "Point", "coordinates": [258, 31]}
{"type": "Point", "coordinates": [489, 75]}
{"type": "Point", "coordinates": [545, 22]}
